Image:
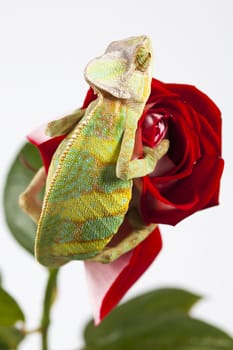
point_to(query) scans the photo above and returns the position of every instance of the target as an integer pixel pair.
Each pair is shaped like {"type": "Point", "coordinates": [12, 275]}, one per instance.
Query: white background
{"type": "Point", "coordinates": [44, 47]}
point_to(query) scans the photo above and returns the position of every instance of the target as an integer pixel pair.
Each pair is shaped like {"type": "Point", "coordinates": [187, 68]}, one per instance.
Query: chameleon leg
{"type": "Point", "coordinates": [28, 200]}
{"type": "Point", "coordinates": [65, 124]}
{"type": "Point", "coordinates": [139, 233]}
{"type": "Point", "coordinates": [142, 167]}
{"type": "Point", "coordinates": [127, 168]}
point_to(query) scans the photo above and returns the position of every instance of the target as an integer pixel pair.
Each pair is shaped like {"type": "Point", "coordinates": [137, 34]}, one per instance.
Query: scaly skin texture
{"type": "Point", "coordinates": [89, 184]}
{"type": "Point", "coordinates": [84, 212]}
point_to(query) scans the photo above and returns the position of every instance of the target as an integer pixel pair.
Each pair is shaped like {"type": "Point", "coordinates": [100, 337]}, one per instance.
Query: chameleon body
{"type": "Point", "coordinates": [85, 202]}
{"type": "Point", "coordinates": [89, 184]}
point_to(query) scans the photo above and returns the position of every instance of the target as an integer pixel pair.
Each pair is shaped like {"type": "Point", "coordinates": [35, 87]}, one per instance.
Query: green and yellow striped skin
{"type": "Point", "coordinates": [85, 202]}
{"type": "Point", "coordinates": [89, 184]}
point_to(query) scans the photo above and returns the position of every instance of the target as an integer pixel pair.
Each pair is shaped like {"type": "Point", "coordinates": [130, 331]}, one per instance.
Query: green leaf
{"type": "Point", "coordinates": [25, 165]}
{"type": "Point", "coordinates": [10, 312]}
{"type": "Point", "coordinates": [147, 306]}
{"type": "Point", "coordinates": [157, 320]}
{"type": "Point", "coordinates": [10, 337]}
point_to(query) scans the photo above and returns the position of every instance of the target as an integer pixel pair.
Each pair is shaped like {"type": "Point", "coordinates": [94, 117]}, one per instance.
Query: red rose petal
{"type": "Point", "coordinates": [108, 283]}
{"type": "Point", "coordinates": [46, 145]}
{"type": "Point", "coordinates": [200, 102]}
{"type": "Point", "coordinates": [193, 193]}
{"type": "Point", "coordinates": [154, 128]}
{"type": "Point", "coordinates": [90, 96]}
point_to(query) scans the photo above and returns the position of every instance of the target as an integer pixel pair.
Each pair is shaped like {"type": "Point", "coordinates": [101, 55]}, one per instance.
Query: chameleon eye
{"type": "Point", "coordinates": [142, 59]}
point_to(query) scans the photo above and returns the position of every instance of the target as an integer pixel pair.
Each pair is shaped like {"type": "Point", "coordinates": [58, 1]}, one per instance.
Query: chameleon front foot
{"type": "Point", "coordinates": [154, 154]}
{"type": "Point", "coordinates": [141, 167]}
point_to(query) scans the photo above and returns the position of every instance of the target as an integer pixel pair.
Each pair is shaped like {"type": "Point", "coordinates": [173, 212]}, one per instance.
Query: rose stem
{"type": "Point", "coordinates": [49, 298]}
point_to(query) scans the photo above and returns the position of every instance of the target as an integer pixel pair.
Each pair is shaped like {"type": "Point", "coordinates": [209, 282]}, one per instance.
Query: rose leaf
{"type": "Point", "coordinates": [156, 320]}
{"type": "Point", "coordinates": [10, 312]}
{"type": "Point", "coordinates": [10, 337]}
{"type": "Point", "coordinates": [22, 170]}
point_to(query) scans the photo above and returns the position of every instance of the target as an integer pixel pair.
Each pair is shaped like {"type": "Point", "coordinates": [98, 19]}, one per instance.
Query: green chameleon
{"type": "Point", "coordinates": [89, 184]}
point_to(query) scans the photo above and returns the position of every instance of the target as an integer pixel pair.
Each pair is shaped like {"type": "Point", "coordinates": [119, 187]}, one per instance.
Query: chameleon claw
{"type": "Point", "coordinates": [158, 152]}
{"type": "Point", "coordinates": [104, 257]}
{"type": "Point", "coordinates": [162, 148]}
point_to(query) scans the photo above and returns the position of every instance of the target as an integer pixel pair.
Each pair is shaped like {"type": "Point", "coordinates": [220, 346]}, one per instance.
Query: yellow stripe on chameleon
{"type": "Point", "coordinates": [75, 247]}
{"type": "Point", "coordinates": [104, 151]}
{"type": "Point", "coordinates": [86, 207]}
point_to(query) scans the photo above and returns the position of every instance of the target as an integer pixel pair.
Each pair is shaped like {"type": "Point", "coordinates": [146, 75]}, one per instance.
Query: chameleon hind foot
{"type": "Point", "coordinates": [28, 200]}
{"type": "Point", "coordinates": [65, 124]}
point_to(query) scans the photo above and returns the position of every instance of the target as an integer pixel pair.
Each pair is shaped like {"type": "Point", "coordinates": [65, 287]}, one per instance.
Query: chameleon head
{"type": "Point", "coordinates": [125, 69]}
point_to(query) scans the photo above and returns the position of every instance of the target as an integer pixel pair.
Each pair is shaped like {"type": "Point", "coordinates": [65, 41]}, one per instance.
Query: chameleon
{"type": "Point", "coordinates": [88, 188]}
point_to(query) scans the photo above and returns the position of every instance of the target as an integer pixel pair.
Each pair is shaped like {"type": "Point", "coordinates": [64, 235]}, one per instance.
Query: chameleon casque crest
{"type": "Point", "coordinates": [89, 184]}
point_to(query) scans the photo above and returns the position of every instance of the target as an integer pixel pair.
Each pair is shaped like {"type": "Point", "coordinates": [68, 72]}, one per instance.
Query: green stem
{"type": "Point", "coordinates": [49, 298]}
{"type": "Point", "coordinates": [26, 332]}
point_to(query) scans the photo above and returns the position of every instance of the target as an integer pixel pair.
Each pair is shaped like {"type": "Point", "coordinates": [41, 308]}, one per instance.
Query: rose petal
{"type": "Point", "coordinates": [109, 283]}
{"type": "Point", "coordinates": [185, 197]}
{"type": "Point", "coordinates": [154, 127]}
{"type": "Point", "coordinates": [46, 145]}
{"type": "Point", "coordinates": [90, 96]}
{"type": "Point", "coordinates": [200, 101]}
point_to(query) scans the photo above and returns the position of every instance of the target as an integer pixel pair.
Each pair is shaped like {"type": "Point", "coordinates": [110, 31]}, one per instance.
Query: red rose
{"type": "Point", "coordinates": [188, 178]}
